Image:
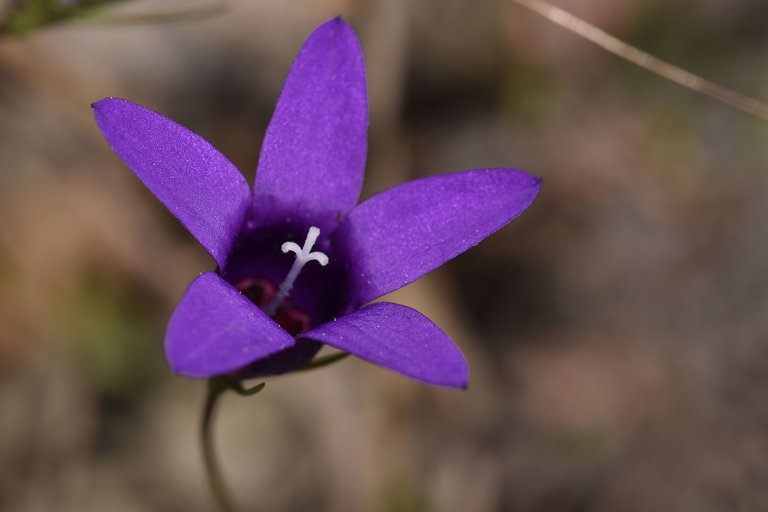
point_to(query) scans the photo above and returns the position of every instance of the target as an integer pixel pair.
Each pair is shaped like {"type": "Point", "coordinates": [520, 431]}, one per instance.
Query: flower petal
{"type": "Point", "coordinates": [216, 330]}
{"type": "Point", "coordinates": [313, 154]}
{"type": "Point", "coordinates": [184, 171]}
{"type": "Point", "coordinates": [399, 338]}
{"type": "Point", "coordinates": [395, 237]}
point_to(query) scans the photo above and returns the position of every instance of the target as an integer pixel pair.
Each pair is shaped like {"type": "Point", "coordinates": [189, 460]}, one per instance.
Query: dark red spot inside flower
{"type": "Point", "coordinates": [291, 319]}
{"type": "Point", "coordinates": [261, 292]}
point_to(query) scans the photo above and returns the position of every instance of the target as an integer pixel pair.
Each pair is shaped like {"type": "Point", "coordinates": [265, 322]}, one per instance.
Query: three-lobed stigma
{"type": "Point", "coordinates": [303, 256]}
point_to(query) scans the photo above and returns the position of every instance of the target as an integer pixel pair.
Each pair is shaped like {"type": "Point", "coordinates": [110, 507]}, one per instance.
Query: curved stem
{"type": "Point", "coordinates": [215, 389]}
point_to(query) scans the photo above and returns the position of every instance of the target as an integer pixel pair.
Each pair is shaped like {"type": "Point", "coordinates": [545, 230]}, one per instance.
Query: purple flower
{"type": "Point", "coordinates": [298, 259]}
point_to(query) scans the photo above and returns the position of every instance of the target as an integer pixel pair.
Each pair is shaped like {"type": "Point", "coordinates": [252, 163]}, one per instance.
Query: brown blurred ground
{"type": "Point", "coordinates": [616, 332]}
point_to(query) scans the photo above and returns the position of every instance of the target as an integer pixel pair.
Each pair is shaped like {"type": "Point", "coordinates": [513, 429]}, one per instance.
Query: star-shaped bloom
{"type": "Point", "coordinates": [298, 259]}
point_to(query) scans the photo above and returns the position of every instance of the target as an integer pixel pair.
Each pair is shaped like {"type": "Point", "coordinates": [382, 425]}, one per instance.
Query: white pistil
{"type": "Point", "coordinates": [303, 256]}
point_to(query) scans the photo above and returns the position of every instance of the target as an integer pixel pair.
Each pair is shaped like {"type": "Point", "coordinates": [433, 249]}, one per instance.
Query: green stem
{"type": "Point", "coordinates": [215, 389]}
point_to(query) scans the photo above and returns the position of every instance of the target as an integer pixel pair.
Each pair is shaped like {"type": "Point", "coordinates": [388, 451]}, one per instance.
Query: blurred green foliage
{"type": "Point", "coordinates": [404, 496]}
{"type": "Point", "coordinates": [529, 93]}
{"type": "Point", "coordinates": [7, 271]}
{"type": "Point", "coordinates": [111, 327]}
{"type": "Point", "coordinates": [31, 15]}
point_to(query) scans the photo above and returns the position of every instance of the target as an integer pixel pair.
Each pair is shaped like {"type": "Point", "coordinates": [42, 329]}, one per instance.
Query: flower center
{"type": "Point", "coordinates": [303, 256]}
{"type": "Point", "coordinates": [273, 300]}
{"type": "Point", "coordinates": [261, 292]}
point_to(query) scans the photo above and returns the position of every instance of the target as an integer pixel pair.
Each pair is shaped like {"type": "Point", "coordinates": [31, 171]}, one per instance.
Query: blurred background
{"type": "Point", "coordinates": [616, 332]}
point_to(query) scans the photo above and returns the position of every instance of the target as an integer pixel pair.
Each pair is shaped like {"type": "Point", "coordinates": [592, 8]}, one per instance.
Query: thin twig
{"type": "Point", "coordinates": [646, 60]}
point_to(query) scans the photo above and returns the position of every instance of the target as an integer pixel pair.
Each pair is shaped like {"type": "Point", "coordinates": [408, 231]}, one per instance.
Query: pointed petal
{"type": "Point", "coordinates": [185, 172]}
{"type": "Point", "coordinates": [397, 236]}
{"type": "Point", "coordinates": [313, 154]}
{"type": "Point", "coordinates": [399, 338]}
{"type": "Point", "coordinates": [216, 330]}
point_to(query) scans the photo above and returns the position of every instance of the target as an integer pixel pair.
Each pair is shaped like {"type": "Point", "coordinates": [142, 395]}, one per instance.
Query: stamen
{"type": "Point", "coordinates": [303, 256]}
